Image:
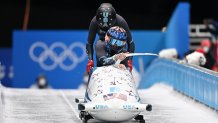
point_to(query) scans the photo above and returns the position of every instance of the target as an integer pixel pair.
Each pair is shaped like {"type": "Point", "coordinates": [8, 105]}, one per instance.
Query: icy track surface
{"type": "Point", "coordinates": [57, 106]}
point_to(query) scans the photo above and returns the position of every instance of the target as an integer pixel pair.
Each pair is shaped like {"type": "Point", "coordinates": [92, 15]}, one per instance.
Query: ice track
{"type": "Point", "coordinates": [58, 106]}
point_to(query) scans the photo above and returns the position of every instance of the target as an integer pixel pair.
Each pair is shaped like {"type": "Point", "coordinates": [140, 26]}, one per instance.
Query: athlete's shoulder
{"type": "Point", "coordinates": [93, 20]}
{"type": "Point", "coordinates": [93, 23]}
{"type": "Point", "coordinates": [120, 21]}
{"type": "Point", "coordinates": [119, 17]}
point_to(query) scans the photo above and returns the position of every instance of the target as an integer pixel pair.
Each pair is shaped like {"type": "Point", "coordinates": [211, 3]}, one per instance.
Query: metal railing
{"type": "Point", "coordinates": [199, 83]}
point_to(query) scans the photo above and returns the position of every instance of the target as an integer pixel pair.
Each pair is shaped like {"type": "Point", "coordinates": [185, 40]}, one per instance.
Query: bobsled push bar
{"type": "Point", "coordinates": [135, 54]}
{"type": "Point", "coordinates": [141, 54]}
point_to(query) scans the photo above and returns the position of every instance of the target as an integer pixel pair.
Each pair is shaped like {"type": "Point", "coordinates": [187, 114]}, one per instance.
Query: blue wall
{"type": "Point", "coordinates": [27, 67]}
{"type": "Point", "coordinates": [147, 41]}
{"type": "Point", "coordinates": [6, 69]}
{"type": "Point", "coordinates": [177, 35]}
{"type": "Point", "coordinates": [52, 53]}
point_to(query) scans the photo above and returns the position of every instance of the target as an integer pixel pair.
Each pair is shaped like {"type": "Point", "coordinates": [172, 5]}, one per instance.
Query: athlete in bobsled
{"type": "Point", "coordinates": [105, 18]}
{"type": "Point", "coordinates": [113, 49]}
{"type": "Point", "coordinates": [111, 94]}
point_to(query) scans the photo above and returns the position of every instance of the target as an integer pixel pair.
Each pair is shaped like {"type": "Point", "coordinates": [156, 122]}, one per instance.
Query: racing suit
{"type": "Point", "coordinates": [95, 29]}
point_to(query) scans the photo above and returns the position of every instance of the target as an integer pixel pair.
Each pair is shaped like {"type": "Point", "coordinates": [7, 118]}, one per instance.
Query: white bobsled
{"type": "Point", "coordinates": [111, 96]}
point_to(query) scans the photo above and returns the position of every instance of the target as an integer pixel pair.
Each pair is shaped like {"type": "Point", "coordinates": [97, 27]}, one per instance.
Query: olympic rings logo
{"type": "Point", "coordinates": [58, 59]}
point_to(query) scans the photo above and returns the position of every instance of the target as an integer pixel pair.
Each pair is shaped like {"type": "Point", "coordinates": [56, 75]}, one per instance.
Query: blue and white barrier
{"type": "Point", "coordinates": [199, 83]}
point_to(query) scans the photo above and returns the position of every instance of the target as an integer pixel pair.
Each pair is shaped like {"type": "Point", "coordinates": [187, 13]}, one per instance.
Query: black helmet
{"type": "Point", "coordinates": [118, 38]}
{"type": "Point", "coordinates": [106, 15]}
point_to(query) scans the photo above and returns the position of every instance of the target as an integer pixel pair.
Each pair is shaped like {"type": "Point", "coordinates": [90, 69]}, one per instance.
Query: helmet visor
{"type": "Point", "coordinates": [116, 42]}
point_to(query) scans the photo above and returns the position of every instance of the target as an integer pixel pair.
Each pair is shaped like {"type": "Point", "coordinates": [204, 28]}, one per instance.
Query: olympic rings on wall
{"type": "Point", "coordinates": [48, 52]}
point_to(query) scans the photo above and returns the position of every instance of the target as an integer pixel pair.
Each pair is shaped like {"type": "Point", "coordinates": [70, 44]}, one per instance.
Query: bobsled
{"type": "Point", "coordinates": [111, 96]}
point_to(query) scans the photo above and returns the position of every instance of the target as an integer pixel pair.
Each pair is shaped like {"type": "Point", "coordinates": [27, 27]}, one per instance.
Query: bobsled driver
{"type": "Point", "coordinates": [105, 18]}
{"type": "Point", "coordinates": [113, 49]}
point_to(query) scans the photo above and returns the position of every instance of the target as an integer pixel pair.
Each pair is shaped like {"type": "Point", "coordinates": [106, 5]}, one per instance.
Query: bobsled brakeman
{"type": "Point", "coordinates": [112, 96]}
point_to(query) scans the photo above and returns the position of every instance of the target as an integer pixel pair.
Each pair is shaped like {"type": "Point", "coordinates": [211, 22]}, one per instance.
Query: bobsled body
{"type": "Point", "coordinates": [114, 92]}
{"type": "Point", "coordinates": [112, 95]}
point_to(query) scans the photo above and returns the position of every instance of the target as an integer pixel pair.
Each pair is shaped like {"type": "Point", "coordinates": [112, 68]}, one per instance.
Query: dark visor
{"type": "Point", "coordinates": [116, 42]}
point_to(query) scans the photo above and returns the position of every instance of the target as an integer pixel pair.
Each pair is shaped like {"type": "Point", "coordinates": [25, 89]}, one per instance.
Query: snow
{"type": "Point", "coordinates": [49, 106]}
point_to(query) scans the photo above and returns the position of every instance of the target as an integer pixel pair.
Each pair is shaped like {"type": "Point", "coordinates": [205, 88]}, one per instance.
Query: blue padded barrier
{"type": "Point", "coordinates": [199, 83]}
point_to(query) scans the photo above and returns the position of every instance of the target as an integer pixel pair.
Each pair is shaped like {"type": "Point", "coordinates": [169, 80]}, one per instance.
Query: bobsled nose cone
{"type": "Point", "coordinates": [149, 107]}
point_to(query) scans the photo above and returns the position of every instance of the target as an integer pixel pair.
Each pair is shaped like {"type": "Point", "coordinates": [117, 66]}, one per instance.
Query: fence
{"type": "Point", "coordinates": [199, 83]}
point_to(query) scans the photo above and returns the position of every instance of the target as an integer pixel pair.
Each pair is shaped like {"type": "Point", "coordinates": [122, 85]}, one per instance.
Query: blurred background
{"type": "Point", "coordinates": [25, 22]}
{"type": "Point", "coordinates": [70, 14]}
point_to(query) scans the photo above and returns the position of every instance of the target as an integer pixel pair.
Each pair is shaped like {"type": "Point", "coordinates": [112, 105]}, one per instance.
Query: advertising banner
{"type": "Point", "coordinates": [60, 56]}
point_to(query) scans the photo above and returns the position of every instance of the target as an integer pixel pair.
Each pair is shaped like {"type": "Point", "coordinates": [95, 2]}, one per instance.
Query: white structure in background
{"type": "Point", "coordinates": [195, 58]}
{"type": "Point", "coordinates": [168, 53]}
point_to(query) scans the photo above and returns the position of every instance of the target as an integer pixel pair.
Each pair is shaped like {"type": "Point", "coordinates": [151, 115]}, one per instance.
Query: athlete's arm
{"type": "Point", "coordinates": [130, 42]}
{"type": "Point", "coordinates": [91, 38]}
